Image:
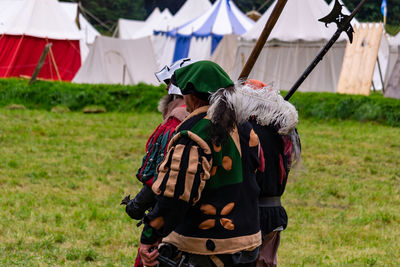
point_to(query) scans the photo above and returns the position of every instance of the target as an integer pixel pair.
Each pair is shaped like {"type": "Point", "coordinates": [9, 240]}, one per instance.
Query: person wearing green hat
{"type": "Point", "coordinates": [207, 195]}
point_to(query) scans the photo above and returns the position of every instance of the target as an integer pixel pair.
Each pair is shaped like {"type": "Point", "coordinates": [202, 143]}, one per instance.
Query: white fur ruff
{"type": "Point", "coordinates": [266, 104]}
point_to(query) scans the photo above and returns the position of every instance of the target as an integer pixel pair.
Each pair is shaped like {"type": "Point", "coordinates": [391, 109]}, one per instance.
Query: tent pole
{"type": "Point", "coordinates": [380, 75]}
{"type": "Point", "coordinates": [55, 64]}
{"type": "Point", "coordinates": [123, 74]}
{"type": "Point", "coordinates": [40, 63]}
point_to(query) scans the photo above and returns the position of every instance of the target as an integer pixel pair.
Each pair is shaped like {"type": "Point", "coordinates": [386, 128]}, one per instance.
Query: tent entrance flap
{"type": "Point", "coordinates": [216, 39]}
{"type": "Point", "coordinates": [182, 47]}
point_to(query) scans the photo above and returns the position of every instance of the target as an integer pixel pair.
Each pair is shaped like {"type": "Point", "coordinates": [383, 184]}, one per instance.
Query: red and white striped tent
{"type": "Point", "coordinates": [24, 32]}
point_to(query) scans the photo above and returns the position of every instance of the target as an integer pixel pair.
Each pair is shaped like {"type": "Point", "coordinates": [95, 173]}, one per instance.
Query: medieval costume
{"type": "Point", "coordinates": [173, 109]}
{"type": "Point", "coordinates": [274, 120]}
{"type": "Point", "coordinates": [207, 194]}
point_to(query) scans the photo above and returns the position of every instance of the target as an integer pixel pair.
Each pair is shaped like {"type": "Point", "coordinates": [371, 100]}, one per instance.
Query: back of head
{"type": "Point", "coordinates": [209, 82]}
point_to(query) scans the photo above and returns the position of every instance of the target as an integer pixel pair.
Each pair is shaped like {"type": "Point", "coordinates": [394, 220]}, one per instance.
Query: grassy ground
{"type": "Point", "coordinates": [62, 177]}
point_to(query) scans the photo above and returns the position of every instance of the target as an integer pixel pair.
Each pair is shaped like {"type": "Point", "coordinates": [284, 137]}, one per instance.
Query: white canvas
{"type": "Point", "coordinates": [42, 18]}
{"type": "Point", "coordinates": [116, 61]}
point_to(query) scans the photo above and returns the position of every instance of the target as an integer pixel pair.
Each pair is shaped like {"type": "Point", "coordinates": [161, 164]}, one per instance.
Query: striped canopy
{"type": "Point", "coordinates": [223, 18]}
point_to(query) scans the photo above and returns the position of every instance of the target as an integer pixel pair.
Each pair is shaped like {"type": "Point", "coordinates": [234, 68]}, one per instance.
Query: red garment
{"type": "Point", "coordinates": [138, 260]}
{"type": "Point", "coordinates": [19, 55]}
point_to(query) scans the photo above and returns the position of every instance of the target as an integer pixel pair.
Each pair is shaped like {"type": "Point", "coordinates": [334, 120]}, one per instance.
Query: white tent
{"type": "Point", "coordinates": [198, 38]}
{"type": "Point", "coordinates": [29, 26]}
{"type": "Point", "coordinates": [10, 9]}
{"type": "Point", "coordinates": [134, 29]}
{"type": "Point", "coordinates": [396, 39]}
{"type": "Point", "coordinates": [116, 61]}
{"type": "Point", "coordinates": [127, 28]}
{"type": "Point", "coordinates": [89, 33]}
{"type": "Point", "coordinates": [27, 18]}
{"type": "Point", "coordinates": [394, 43]}
{"type": "Point", "coordinates": [164, 46]}
{"type": "Point", "coordinates": [190, 10]}
{"type": "Point", "coordinates": [293, 44]}
{"type": "Point", "coordinates": [225, 53]}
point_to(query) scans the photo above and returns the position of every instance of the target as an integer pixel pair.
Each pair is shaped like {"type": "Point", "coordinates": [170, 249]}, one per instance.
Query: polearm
{"type": "Point", "coordinates": [344, 25]}
{"type": "Point", "coordinates": [276, 13]}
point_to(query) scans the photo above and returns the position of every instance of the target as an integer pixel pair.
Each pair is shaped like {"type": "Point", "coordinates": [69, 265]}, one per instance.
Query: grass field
{"type": "Point", "coordinates": [62, 177]}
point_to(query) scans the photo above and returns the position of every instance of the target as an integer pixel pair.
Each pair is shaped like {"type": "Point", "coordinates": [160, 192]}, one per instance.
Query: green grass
{"type": "Point", "coordinates": [62, 177]}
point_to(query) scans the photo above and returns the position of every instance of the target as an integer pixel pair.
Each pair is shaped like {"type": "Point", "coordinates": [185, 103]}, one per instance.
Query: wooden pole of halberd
{"type": "Point", "coordinates": [40, 63]}
{"type": "Point", "coordinates": [276, 13]}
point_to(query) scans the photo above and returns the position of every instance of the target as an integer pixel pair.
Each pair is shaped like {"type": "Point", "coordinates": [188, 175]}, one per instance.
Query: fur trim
{"type": "Point", "coordinates": [266, 104]}
{"type": "Point", "coordinates": [163, 103]}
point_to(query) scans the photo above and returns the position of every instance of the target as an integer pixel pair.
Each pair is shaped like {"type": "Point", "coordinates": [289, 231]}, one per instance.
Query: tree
{"type": "Point", "coordinates": [109, 11]}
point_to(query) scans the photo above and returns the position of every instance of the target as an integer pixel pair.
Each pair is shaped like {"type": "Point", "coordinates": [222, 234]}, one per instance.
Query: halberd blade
{"type": "Point", "coordinates": [350, 32]}
{"type": "Point", "coordinates": [335, 14]}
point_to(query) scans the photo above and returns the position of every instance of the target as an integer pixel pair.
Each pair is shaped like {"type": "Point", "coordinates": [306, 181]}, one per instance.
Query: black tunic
{"type": "Point", "coordinates": [277, 151]}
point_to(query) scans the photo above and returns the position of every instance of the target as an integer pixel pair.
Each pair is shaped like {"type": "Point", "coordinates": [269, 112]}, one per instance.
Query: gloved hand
{"type": "Point", "coordinates": [143, 201]}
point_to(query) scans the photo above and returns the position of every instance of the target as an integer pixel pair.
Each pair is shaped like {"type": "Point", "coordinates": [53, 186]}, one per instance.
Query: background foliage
{"type": "Point", "coordinates": [108, 11]}
{"type": "Point", "coordinates": [142, 97]}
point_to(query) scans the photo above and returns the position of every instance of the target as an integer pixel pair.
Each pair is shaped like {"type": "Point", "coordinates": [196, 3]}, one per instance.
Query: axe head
{"type": "Point", "coordinates": [336, 16]}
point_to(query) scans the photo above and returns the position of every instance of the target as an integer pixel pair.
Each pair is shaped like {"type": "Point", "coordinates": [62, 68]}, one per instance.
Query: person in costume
{"type": "Point", "coordinates": [173, 109]}
{"type": "Point", "coordinates": [207, 194]}
{"type": "Point", "coordinates": [274, 120]}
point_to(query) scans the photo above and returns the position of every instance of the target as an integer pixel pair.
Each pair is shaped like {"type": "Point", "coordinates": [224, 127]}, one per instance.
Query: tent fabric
{"type": "Point", "coordinates": [182, 47]}
{"type": "Point", "coordinates": [295, 41]}
{"type": "Point", "coordinates": [88, 32]}
{"type": "Point", "coordinates": [164, 46]}
{"type": "Point", "coordinates": [135, 29]}
{"type": "Point", "coordinates": [393, 88]}
{"type": "Point", "coordinates": [282, 64]}
{"type": "Point", "coordinates": [381, 66]}
{"type": "Point", "coordinates": [298, 22]}
{"type": "Point", "coordinates": [42, 18]}
{"type": "Point", "coordinates": [152, 23]}
{"type": "Point", "coordinates": [396, 40]}
{"type": "Point", "coordinates": [19, 55]}
{"type": "Point", "coordinates": [27, 27]}
{"type": "Point", "coordinates": [10, 9]}
{"type": "Point", "coordinates": [223, 18]}
{"type": "Point", "coordinates": [128, 27]}
{"type": "Point", "coordinates": [200, 47]}
{"type": "Point", "coordinates": [116, 61]}
{"type": "Point", "coordinates": [190, 10]}
{"type": "Point", "coordinates": [394, 43]}
{"type": "Point", "coordinates": [225, 54]}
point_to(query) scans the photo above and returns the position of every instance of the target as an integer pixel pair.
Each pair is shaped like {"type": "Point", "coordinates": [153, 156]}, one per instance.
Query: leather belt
{"type": "Point", "coordinates": [269, 202]}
